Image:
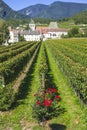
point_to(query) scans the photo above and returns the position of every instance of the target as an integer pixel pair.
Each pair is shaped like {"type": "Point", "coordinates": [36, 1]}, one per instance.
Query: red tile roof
{"type": "Point", "coordinates": [57, 30]}
{"type": "Point", "coordinates": [42, 29]}
{"type": "Point", "coordinates": [47, 29]}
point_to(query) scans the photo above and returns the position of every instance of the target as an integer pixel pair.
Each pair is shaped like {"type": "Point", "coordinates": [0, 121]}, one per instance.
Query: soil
{"type": "Point", "coordinates": [24, 72]}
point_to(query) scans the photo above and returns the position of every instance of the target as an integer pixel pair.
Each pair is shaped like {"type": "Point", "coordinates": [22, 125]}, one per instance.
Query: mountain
{"type": "Point", "coordinates": [55, 10]}
{"type": "Point", "coordinates": [7, 13]}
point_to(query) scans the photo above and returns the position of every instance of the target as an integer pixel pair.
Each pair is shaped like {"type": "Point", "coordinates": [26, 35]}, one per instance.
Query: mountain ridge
{"type": "Point", "coordinates": [54, 10]}
{"type": "Point", "coordinates": [7, 12]}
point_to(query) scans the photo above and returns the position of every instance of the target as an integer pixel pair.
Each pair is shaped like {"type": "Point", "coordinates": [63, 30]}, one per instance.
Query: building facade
{"type": "Point", "coordinates": [31, 35]}
{"type": "Point", "coordinates": [38, 33]}
{"type": "Point", "coordinates": [14, 37]}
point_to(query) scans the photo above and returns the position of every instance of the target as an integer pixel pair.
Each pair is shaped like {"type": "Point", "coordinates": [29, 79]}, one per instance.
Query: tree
{"type": "Point", "coordinates": [21, 38]}
{"type": "Point", "coordinates": [4, 33]}
{"type": "Point", "coordinates": [74, 32]}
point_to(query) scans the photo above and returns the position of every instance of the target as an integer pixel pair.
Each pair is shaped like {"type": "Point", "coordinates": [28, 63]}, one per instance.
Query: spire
{"type": "Point", "coordinates": [32, 21]}
{"type": "Point", "coordinates": [53, 25]}
{"type": "Point", "coordinates": [32, 25]}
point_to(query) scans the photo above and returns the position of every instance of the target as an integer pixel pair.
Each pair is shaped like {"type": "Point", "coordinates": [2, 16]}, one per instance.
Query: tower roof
{"type": "Point", "coordinates": [53, 25]}
{"type": "Point", "coordinates": [32, 21]}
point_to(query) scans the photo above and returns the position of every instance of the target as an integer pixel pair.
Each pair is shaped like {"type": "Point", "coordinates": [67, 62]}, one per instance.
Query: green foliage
{"type": "Point", "coordinates": [2, 22]}
{"type": "Point", "coordinates": [10, 69]}
{"type": "Point", "coordinates": [4, 33]}
{"type": "Point", "coordinates": [74, 32]}
{"type": "Point", "coordinates": [21, 38]}
{"type": "Point", "coordinates": [80, 18]}
{"type": "Point", "coordinates": [46, 105]}
{"type": "Point", "coordinates": [43, 63]}
{"type": "Point", "coordinates": [13, 47]}
{"type": "Point", "coordinates": [6, 97]}
{"type": "Point", "coordinates": [17, 22]}
{"type": "Point", "coordinates": [85, 32]}
{"type": "Point", "coordinates": [74, 71]}
{"type": "Point", "coordinates": [42, 21]}
{"type": "Point", "coordinates": [74, 108]}
{"type": "Point", "coordinates": [22, 113]}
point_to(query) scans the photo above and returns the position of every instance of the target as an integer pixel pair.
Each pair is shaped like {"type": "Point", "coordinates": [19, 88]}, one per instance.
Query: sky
{"type": "Point", "coordinates": [20, 4]}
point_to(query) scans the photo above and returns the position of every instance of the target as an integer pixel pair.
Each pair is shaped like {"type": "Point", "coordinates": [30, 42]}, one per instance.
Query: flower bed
{"type": "Point", "coordinates": [47, 104]}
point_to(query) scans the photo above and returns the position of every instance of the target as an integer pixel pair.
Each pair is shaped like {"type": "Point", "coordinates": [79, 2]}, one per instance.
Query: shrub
{"type": "Point", "coordinates": [46, 105]}
{"type": "Point", "coordinates": [6, 97]}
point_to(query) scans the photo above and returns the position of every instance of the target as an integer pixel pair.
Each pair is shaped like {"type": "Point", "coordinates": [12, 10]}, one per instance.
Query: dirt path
{"type": "Point", "coordinates": [24, 72]}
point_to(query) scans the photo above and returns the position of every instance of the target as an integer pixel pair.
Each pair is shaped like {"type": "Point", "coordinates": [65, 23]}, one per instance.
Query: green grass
{"type": "Point", "coordinates": [66, 24]}
{"type": "Point", "coordinates": [72, 119]}
{"type": "Point", "coordinates": [70, 24]}
{"type": "Point", "coordinates": [38, 128]}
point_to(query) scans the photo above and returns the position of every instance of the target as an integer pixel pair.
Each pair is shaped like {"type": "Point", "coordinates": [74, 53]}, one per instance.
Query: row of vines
{"type": "Point", "coordinates": [13, 63]}
{"type": "Point", "coordinates": [47, 102]}
{"type": "Point", "coordinates": [71, 57]}
{"type": "Point", "coordinates": [6, 55]}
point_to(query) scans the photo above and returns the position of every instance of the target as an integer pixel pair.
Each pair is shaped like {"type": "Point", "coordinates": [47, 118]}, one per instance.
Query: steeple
{"type": "Point", "coordinates": [53, 25]}
{"type": "Point", "coordinates": [32, 21]}
{"type": "Point", "coordinates": [32, 25]}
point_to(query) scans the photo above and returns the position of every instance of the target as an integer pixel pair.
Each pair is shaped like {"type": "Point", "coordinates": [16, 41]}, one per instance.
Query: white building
{"type": "Point", "coordinates": [14, 35]}
{"type": "Point", "coordinates": [37, 33]}
{"type": "Point", "coordinates": [52, 31]}
{"type": "Point", "coordinates": [31, 35]}
{"type": "Point", "coordinates": [57, 33]}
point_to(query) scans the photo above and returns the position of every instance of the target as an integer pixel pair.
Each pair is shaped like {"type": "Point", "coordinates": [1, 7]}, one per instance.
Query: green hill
{"type": "Point", "coordinates": [80, 18]}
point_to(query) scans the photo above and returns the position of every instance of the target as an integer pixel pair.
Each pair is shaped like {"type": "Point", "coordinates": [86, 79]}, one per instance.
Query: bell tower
{"type": "Point", "coordinates": [32, 25]}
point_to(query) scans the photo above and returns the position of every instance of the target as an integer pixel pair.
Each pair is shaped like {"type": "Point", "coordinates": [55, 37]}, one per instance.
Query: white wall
{"type": "Point", "coordinates": [13, 37]}
{"type": "Point", "coordinates": [32, 37]}
{"type": "Point", "coordinates": [57, 34]}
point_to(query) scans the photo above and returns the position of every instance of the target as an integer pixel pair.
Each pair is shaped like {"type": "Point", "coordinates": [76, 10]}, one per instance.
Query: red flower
{"type": "Point", "coordinates": [47, 102]}
{"type": "Point", "coordinates": [54, 90]}
{"type": "Point", "coordinates": [58, 97]}
{"type": "Point", "coordinates": [49, 89]}
{"type": "Point", "coordinates": [38, 103]}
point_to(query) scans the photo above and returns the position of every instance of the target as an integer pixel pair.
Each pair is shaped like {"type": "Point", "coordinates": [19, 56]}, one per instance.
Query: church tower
{"type": "Point", "coordinates": [32, 25]}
